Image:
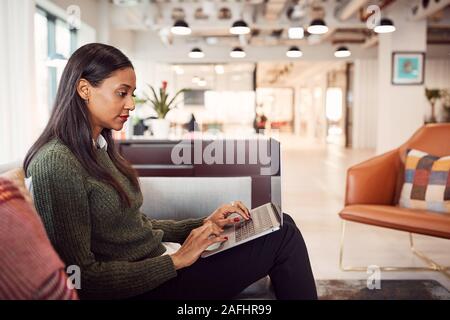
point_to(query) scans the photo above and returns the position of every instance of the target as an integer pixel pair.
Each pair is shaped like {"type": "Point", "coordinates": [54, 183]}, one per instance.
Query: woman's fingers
{"type": "Point", "coordinates": [209, 229]}
{"type": "Point", "coordinates": [222, 222]}
{"type": "Point", "coordinates": [203, 227]}
{"type": "Point", "coordinates": [212, 240]}
{"type": "Point", "coordinates": [235, 209]}
{"type": "Point", "coordinates": [197, 241]}
{"type": "Point", "coordinates": [210, 236]}
{"type": "Point", "coordinates": [202, 231]}
{"type": "Point", "coordinates": [243, 208]}
{"type": "Point", "coordinates": [227, 221]}
{"type": "Point", "coordinates": [217, 229]}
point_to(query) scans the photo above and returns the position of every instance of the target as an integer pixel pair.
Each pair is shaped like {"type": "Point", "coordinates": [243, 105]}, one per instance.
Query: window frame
{"type": "Point", "coordinates": [52, 20]}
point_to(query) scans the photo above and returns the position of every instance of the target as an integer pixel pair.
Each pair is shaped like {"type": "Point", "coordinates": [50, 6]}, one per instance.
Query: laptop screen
{"type": "Point", "coordinates": [277, 209]}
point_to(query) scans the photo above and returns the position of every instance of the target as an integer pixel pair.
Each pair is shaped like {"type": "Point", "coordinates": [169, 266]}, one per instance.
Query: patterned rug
{"type": "Point", "coordinates": [390, 290]}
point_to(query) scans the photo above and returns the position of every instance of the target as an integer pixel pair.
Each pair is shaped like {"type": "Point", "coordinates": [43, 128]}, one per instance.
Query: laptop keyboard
{"type": "Point", "coordinates": [260, 221]}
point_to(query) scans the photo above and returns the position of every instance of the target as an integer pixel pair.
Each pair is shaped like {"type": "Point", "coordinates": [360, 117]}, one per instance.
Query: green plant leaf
{"type": "Point", "coordinates": [160, 104]}
{"type": "Point", "coordinates": [176, 95]}
{"type": "Point", "coordinates": [139, 100]}
{"type": "Point", "coordinates": [154, 94]}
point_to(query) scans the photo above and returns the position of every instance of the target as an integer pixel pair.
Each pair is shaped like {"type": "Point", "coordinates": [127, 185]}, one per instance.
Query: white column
{"type": "Point", "coordinates": [365, 104]}
{"type": "Point", "coordinates": [400, 108]}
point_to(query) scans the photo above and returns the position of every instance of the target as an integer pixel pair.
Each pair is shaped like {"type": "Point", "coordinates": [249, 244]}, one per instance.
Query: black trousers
{"type": "Point", "coordinates": [281, 254]}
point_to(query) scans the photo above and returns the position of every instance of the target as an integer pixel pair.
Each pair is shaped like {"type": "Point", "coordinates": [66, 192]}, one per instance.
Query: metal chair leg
{"type": "Point", "coordinates": [341, 254]}
{"type": "Point", "coordinates": [431, 265]}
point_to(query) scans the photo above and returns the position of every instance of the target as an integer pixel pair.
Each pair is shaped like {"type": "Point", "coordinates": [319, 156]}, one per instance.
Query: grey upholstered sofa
{"type": "Point", "coordinates": [195, 189]}
{"type": "Point", "coordinates": [186, 197]}
{"type": "Point", "coordinates": [183, 197]}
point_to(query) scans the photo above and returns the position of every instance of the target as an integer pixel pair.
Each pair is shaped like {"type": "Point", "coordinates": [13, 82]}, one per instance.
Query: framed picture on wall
{"type": "Point", "coordinates": [408, 68]}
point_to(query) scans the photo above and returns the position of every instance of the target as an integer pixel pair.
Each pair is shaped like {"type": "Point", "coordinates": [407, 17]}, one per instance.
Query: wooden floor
{"type": "Point", "coordinates": [313, 184]}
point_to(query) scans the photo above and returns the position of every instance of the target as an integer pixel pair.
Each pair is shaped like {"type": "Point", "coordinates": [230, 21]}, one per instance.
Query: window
{"type": "Point", "coordinates": [54, 43]}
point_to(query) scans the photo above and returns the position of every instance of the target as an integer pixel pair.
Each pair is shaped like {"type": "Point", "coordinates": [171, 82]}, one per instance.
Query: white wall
{"type": "Point", "coordinates": [365, 104]}
{"type": "Point", "coordinates": [104, 23]}
{"type": "Point", "coordinates": [124, 40]}
{"type": "Point", "coordinates": [365, 110]}
{"type": "Point", "coordinates": [151, 73]}
{"type": "Point", "coordinates": [400, 108]}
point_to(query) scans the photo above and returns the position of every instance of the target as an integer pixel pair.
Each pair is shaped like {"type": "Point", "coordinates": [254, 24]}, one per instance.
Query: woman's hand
{"type": "Point", "coordinates": [198, 240]}
{"type": "Point", "coordinates": [220, 215]}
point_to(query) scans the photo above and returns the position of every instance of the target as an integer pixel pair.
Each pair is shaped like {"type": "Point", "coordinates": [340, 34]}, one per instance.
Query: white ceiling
{"type": "Point", "coordinates": [142, 27]}
{"type": "Point", "coordinates": [266, 18]}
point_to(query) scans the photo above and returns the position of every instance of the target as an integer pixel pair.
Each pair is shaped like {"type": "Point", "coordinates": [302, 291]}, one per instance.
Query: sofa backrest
{"type": "Point", "coordinates": [178, 192]}
{"type": "Point", "coordinates": [253, 175]}
{"type": "Point", "coordinates": [172, 197]}
{"type": "Point", "coordinates": [9, 166]}
{"type": "Point", "coordinates": [13, 171]}
{"type": "Point", "coordinates": [191, 197]}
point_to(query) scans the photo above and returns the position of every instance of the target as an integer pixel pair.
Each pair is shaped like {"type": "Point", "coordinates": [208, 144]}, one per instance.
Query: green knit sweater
{"type": "Point", "coordinates": [117, 248]}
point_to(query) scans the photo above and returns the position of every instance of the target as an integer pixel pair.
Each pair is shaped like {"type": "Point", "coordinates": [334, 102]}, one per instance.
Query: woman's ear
{"type": "Point", "coordinates": [83, 89]}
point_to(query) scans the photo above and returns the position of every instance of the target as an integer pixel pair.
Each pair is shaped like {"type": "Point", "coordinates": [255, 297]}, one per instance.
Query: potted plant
{"type": "Point", "coordinates": [433, 95]}
{"type": "Point", "coordinates": [162, 105]}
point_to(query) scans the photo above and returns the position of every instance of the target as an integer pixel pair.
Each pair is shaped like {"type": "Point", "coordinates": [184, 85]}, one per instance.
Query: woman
{"type": "Point", "coordinates": [89, 200]}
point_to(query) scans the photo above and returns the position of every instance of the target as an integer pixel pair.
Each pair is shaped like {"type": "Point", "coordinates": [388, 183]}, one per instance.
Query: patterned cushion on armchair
{"type": "Point", "coordinates": [427, 182]}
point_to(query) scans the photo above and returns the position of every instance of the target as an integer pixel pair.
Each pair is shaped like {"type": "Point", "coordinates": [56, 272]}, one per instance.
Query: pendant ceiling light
{"type": "Point", "coordinates": [239, 27]}
{"type": "Point", "coordinates": [385, 26]}
{"type": "Point", "coordinates": [237, 53]}
{"type": "Point", "coordinates": [196, 53]}
{"type": "Point", "coordinates": [181, 28]}
{"type": "Point", "coordinates": [342, 52]}
{"type": "Point", "coordinates": [317, 26]}
{"type": "Point", "coordinates": [294, 52]}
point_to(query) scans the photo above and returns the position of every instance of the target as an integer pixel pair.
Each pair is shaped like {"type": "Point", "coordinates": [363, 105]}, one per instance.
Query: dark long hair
{"type": "Point", "coordinates": [69, 121]}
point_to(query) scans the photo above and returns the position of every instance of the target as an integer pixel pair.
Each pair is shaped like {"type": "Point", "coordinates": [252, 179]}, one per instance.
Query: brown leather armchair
{"type": "Point", "coordinates": [374, 187]}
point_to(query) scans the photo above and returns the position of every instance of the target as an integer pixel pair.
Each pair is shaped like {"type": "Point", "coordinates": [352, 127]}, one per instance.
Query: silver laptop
{"type": "Point", "coordinates": [266, 219]}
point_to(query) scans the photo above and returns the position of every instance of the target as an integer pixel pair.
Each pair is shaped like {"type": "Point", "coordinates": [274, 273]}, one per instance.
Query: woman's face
{"type": "Point", "coordinates": [110, 103]}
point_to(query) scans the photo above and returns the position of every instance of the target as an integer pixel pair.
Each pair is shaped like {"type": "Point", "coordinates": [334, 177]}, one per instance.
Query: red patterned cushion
{"type": "Point", "coordinates": [28, 262]}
